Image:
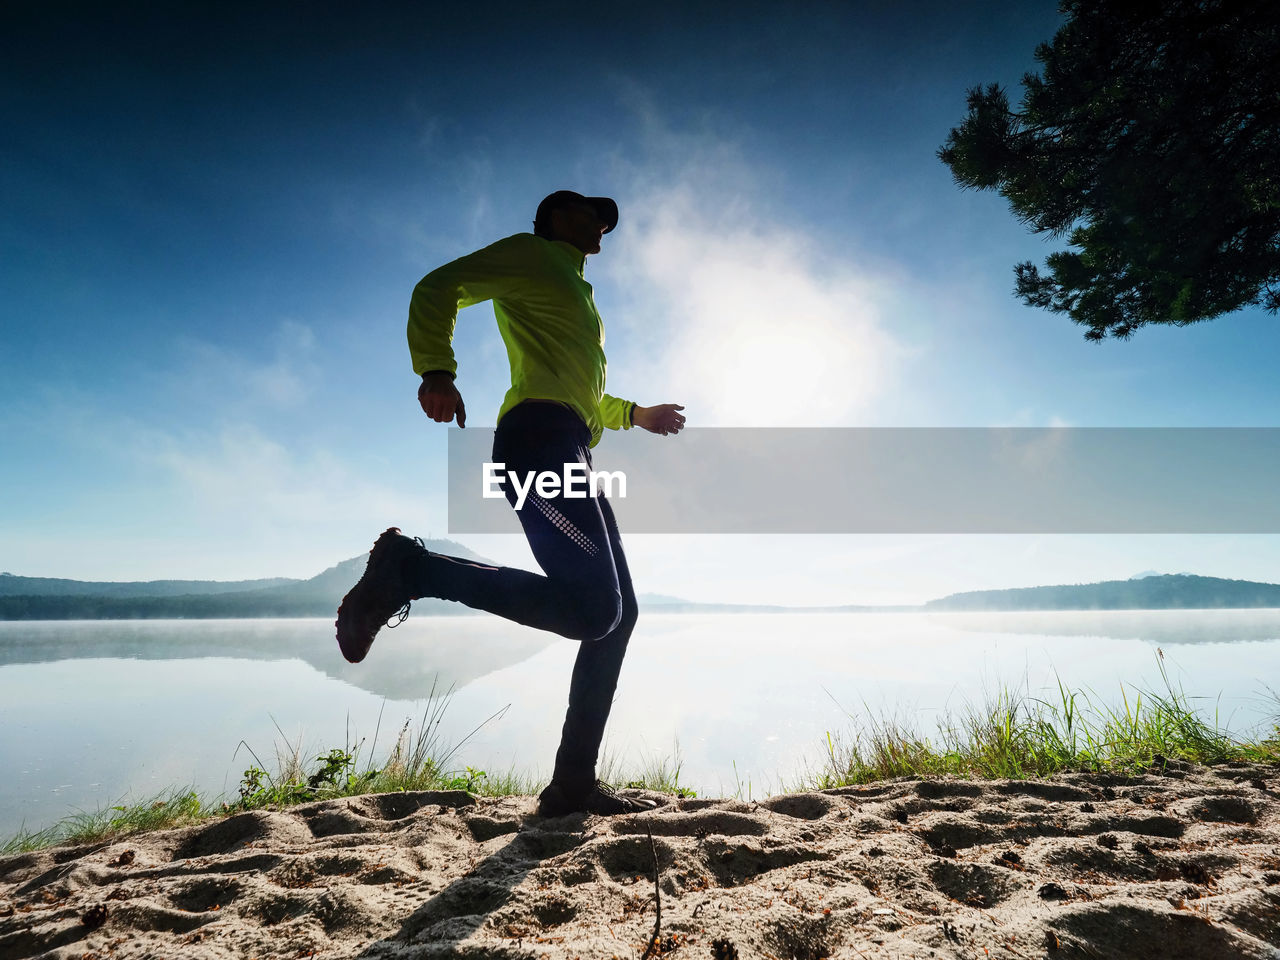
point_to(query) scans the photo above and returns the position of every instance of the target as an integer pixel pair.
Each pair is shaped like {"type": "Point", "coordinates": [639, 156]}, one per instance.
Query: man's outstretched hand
{"type": "Point", "coordinates": [440, 399]}
{"type": "Point", "coordinates": [663, 418]}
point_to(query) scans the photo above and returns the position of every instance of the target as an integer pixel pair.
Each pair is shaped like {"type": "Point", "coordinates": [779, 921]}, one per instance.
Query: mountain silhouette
{"type": "Point", "coordinates": [1168, 592]}
{"type": "Point", "coordinates": [42, 598]}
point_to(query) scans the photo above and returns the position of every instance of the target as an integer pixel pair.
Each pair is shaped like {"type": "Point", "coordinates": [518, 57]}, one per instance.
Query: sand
{"type": "Point", "coordinates": [1183, 862]}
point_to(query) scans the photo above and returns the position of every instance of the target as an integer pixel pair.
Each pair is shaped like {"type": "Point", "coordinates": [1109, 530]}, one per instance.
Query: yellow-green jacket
{"type": "Point", "coordinates": [547, 318]}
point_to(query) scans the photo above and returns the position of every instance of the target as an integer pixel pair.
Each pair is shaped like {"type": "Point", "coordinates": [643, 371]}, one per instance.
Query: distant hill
{"type": "Point", "coordinates": [1166, 592]}
{"type": "Point", "coordinates": [37, 598]}
{"type": "Point", "coordinates": [659, 600]}
{"type": "Point", "coordinates": [14, 586]}
{"type": "Point", "coordinates": [54, 599]}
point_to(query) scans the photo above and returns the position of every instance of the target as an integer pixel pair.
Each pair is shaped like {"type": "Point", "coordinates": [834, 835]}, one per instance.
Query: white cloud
{"type": "Point", "coordinates": [732, 310]}
{"type": "Point", "coordinates": [232, 502]}
{"type": "Point", "coordinates": [232, 383]}
{"type": "Point", "coordinates": [221, 465]}
{"type": "Point", "coordinates": [238, 476]}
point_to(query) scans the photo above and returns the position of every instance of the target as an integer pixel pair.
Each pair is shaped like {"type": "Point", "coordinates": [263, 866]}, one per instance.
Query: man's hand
{"type": "Point", "coordinates": [661, 419]}
{"type": "Point", "coordinates": [440, 399]}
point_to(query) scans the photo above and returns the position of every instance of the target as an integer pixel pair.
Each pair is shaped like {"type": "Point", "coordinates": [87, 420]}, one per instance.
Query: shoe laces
{"type": "Point", "coordinates": [633, 805]}
{"type": "Point", "coordinates": [401, 615]}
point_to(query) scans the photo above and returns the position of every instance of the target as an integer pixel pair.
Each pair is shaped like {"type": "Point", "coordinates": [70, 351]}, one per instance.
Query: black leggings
{"type": "Point", "coordinates": [586, 594]}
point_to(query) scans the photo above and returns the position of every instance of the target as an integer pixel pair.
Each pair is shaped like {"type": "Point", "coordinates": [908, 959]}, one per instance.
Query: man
{"type": "Point", "coordinates": [553, 414]}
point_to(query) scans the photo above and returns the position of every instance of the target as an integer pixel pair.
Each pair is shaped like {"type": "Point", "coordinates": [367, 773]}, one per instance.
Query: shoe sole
{"type": "Point", "coordinates": [353, 647]}
{"type": "Point", "coordinates": [642, 805]}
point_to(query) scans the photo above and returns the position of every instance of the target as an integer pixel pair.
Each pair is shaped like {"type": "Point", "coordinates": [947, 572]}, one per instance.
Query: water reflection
{"type": "Point", "coordinates": [1160, 627]}
{"type": "Point", "coordinates": [451, 651]}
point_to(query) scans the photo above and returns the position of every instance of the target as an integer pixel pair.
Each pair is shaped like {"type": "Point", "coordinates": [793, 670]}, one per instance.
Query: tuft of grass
{"type": "Point", "coordinates": [1016, 736]}
{"type": "Point", "coordinates": [418, 760]}
{"type": "Point", "coordinates": [737, 792]}
{"type": "Point", "coordinates": [660, 773]}
{"type": "Point", "coordinates": [168, 809]}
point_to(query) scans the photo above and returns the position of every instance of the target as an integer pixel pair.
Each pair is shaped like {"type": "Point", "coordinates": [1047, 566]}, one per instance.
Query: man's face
{"type": "Point", "coordinates": [578, 224]}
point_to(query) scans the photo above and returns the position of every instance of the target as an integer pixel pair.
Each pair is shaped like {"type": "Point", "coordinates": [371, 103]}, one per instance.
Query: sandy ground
{"type": "Point", "coordinates": [1184, 863]}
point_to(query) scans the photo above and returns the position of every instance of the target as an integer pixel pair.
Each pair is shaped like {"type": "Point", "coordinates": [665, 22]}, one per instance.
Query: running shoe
{"type": "Point", "coordinates": [559, 800]}
{"type": "Point", "coordinates": [381, 595]}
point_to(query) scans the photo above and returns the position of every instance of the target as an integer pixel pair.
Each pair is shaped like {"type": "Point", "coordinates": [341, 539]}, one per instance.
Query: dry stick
{"type": "Point", "coordinates": [657, 893]}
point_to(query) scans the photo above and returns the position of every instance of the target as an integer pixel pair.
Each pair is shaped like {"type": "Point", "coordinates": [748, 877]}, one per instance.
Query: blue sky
{"type": "Point", "coordinates": [214, 216]}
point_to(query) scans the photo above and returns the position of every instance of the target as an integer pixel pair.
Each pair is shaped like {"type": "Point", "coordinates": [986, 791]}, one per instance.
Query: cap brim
{"type": "Point", "coordinates": [606, 210]}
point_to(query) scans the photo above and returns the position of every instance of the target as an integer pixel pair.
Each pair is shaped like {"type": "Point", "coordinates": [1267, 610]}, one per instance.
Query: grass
{"type": "Point", "coordinates": [1012, 736]}
{"type": "Point", "coordinates": [1017, 736]}
{"type": "Point", "coordinates": [417, 760]}
{"type": "Point", "coordinates": [660, 773]}
{"type": "Point", "coordinates": [172, 808]}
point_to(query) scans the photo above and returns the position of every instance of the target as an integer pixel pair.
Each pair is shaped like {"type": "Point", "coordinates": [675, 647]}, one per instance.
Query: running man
{"type": "Point", "coordinates": [553, 415]}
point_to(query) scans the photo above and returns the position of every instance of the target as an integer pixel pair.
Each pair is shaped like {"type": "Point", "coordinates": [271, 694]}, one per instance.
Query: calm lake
{"type": "Point", "coordinates": [95, 713]}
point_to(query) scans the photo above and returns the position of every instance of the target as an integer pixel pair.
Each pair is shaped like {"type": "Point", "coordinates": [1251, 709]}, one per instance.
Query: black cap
{"type": "Point", "coordinates": [606, 209]}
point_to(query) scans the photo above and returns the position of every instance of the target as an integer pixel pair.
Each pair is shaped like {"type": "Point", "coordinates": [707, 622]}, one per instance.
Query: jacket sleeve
{"type": "Point", "coordinates": [491, 273]}
{"type": "Point", "coordinates": [615, 413]}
